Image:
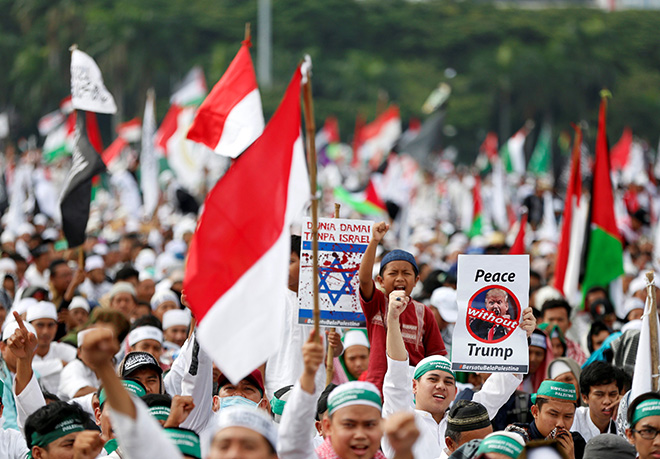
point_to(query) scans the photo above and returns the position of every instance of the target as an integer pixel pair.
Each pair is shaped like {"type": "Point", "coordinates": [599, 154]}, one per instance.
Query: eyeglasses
{"type": "Point", "coordinates": [648, 433]}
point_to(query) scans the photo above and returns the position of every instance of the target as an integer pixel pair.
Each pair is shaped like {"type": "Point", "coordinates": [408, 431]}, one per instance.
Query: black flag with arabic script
{"type": "Point", "coordinates": [77, 190]}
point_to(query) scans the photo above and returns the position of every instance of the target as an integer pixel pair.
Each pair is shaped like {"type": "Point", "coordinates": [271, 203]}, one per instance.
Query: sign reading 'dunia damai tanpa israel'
{"type": "Point", "coordinates": [493, 290]}
{"type": "Point", "coordinates": [341, 245]}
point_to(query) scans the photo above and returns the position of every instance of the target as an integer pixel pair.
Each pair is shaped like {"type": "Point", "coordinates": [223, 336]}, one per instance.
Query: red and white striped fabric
{"type": "Point", "coordinates": [231, 117]}
{"type": "Point", "coordinates": [237, 269]}
{"type": "Point", "coordinates": [574, 224]}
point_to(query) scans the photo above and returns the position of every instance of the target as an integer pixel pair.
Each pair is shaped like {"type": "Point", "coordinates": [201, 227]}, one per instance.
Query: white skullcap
{"type": "Point", "coordinates": [122, 287]}
{"type": "Point", "coordinates": [22, 305]}
{"type": "Point", "coordinates": [354, 393]}
{"type": "Point", "coordinates": [78, 302]}
{"type": "Point", "coordinates": [544, 294]}
{"type": "Point", "coordinates": [639, 283]}
{"type": "Point", "coordinates": [7, 265]}
{"type": "Point", "coordinates": [176, 247]}
{"type": "Point", "coordinates": [185, 225]}
{"type": "Point", "coordinates": [7, 237]}
{"type": "Point", "coordinates": [41, 310]}
{"type": "Point", "coordinates": [161, 296]}
{"type": "Point", "coordinates": [94, 262]}
{"type": "Point", "coordinates": [355, 338]}
{"type": "Point", "coordinates": [557, 368]}
{"type": "Point", "coordinates": [10, 327]}
{"type": "Point", "coordinates": [631, 304]}
{"type": "Point", "coordinates": [100, 249]}
{"type": "Point", "coordinates": [444, 300]}
{"type": "Point", "coordinates": [254, 419]}
{"type": "Point", "coordinates": [145, 332]}
{"type": "Point", "coordinates": [50, 234]}
{"type": "Point", "coordinates": [175, 317]}
{"type": "Point", "coordinates": [25, 228]}
{"type": "Point", "coordinates": [40, 220]}
{"type": "Point", "coordinates": [145, 259]}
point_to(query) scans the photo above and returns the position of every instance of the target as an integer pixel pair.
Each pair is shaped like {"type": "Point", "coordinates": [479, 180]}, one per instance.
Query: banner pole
{"type": "Point", "coordinates": [653, 330]}
{"type": "Point", "coordinates": [310, 127]}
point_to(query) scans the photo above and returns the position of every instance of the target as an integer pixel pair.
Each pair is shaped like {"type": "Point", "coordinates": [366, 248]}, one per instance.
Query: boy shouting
{"type": "Point", "coordinates": [398, 272]}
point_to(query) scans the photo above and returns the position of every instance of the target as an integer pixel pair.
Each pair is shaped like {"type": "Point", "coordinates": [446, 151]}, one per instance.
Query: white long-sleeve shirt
{"type": "Point", "coordinates": [398, 396]}
{"type": "Point", "coordinates": [12, 444]}
{"type": "Point", "coordinates": [295, 439]}
{"type": "Point", "coordinates": [142, 437]}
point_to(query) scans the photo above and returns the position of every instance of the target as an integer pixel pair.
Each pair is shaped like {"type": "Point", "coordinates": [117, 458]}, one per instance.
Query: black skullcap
{"type": "Point", "coordinates": [467, 415]}
{"type": "Point", "coordinates": [322, 403]}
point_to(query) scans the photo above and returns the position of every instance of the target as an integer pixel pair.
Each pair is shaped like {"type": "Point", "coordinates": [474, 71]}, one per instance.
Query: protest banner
{"type": "Point", "coordinates": [341, 245]}
{"type": "Point", "coordinates": [492, 292]}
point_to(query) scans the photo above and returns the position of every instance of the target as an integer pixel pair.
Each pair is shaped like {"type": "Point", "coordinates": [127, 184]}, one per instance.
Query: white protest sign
{"type": "Point", "coordinates": [492, 292]}
{"type": "Point", "coordinates": [341, 245]}
{"type": "Point", "coordinates": [87, 89]}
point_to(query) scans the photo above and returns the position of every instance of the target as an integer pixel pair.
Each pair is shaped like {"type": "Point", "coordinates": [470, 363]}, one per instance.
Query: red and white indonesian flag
{"type": "Point", "coordinates": [87, 89]}
{"type": "Point", "coordinates": [237, 269]}
{"type": "Point", "coordinates": [231, 117]}
{"type": "Point", "coordinates": [574, 224]}
{"type": "Point", "coordinates": [378, 137]}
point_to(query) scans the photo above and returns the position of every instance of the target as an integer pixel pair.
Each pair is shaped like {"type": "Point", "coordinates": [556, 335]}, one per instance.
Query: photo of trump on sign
{"type": "Point", "coordinates": [492, 314]}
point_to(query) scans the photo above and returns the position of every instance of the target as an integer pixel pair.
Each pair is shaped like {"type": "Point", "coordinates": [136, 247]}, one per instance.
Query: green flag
{"type": "Point", "coordinates": [540, 162]}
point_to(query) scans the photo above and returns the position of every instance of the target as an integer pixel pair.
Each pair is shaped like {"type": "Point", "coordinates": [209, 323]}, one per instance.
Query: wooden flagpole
{"type": "Point", "coordinates": [653, 330]}
{"type": "Point", "coordinates": [330, 356]}
{"type": "Point", "coordinates": [310, 127]}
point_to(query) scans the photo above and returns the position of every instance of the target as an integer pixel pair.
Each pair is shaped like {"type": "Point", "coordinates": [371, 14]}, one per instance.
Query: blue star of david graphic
{"type": "Point", "coordinates": [336, 268]}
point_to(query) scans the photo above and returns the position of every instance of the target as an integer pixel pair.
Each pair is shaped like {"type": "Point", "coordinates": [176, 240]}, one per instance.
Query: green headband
{"type": "Point", "coordinates": [501, 444]}
{"type": "Point", "coordinates": [160, 412]}
{"type": "Point", "coordinates": [186, 440]}
{"type": "Point", "coordinates": [277, 405]}
{"type": "Point", "coordinates": [645, 409]}
{"type": "Point", "coordinates": [441, 365]}
{"type": "Point", "coordinates": [557, 390]}
{"type": "Point", "coordinates": [65, 427]}
{"type": "Point", "coordinates": [353, 396]}
{"type": "Point", "coordinates": [111, 446]}
{"type": "Point", "coordinates": [131, 386]}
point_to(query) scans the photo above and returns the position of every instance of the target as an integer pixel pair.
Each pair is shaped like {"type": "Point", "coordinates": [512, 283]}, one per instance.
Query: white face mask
{"type": "Point", "coordinates": [235, 400]}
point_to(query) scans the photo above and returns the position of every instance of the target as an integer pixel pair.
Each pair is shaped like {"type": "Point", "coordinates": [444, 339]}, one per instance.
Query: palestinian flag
{"type": "Point", "coordinates": [77, 190]}
{"type": "Point", "coordinates": [604, 262]}
{"type": "Point", "coordinates": [59, 142]}
{"type": "Point", "coordinates": [513, 153]}
{"type": "Point", "coordinates": [541, 161]}
{"type": "Point", "coordinates": [478, 206]}
{"type": "Point", "coordinates": [191, 91]}
{"type": "Point", "coordinates": [366, 202]}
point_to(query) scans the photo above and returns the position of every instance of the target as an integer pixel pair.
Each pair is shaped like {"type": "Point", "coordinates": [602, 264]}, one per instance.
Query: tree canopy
{"type": "Point", "coordinates": [511, 64]}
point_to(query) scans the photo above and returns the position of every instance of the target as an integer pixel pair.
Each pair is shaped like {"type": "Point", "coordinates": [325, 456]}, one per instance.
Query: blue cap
{"type": "Point", "coordinates": [396, 255]}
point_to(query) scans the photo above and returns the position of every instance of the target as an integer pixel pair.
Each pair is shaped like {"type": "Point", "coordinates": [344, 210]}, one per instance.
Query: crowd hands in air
{"type": "Point", "coordinates": [100, 358]}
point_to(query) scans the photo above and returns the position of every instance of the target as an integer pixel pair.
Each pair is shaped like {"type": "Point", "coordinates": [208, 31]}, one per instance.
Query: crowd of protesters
{"type": "Point", "coordinates": [99, 356]}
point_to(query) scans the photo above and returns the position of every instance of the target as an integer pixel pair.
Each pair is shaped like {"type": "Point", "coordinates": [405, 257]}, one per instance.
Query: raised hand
{"type": "Point", "coordinates": [397, 304]}
{"type": "Point", "coordinates": [98, 348]}
{"type": "Point", "coordinates": [379, 231]}
{"type": "Point", "coordinates": [22, 343]}
{"type": "Point", "coordinates": [182, 405]}
{"type": "Point", "coordinates": [88, 445]}
{"type": "Point", "coordinates": [402, 433]}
